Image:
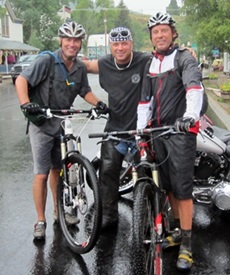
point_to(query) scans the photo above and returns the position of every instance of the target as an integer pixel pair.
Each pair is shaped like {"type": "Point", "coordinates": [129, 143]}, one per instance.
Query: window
{"type": "Point", "coordinates": [5, 26]}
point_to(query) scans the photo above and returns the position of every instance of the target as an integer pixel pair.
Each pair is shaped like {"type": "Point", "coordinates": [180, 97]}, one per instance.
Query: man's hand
{"type": "Point", "coordinates": [101, 108]}
{"type": "Point", "coordinates": [30, 108]}
{"type": "Point", "coordinates": [183, 124]}
{"type": "Point", "coordinates": [192, 52]}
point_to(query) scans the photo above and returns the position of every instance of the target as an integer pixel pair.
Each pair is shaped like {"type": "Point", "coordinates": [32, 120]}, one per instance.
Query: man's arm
{"type": "Point", "coordinates": [101, 107]}
{"type": "Point", "coordinates": [92, 66]}
{"type": "Point", "coordinates": [91, 98]}
{"type": "Point", "coordinates": [21, 86]}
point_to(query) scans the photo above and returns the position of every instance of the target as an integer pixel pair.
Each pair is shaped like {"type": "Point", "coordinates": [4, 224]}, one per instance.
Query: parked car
{"type": "Point", "coordinates": [23, 62]}
{"type": "Point", "coordinates": [217, 65]}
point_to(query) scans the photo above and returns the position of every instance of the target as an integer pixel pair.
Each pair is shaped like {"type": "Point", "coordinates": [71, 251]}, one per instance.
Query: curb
{"type": "Point", "coordinates": [220, 112]}
{"type": "Point", "coordinates": [2, 77]}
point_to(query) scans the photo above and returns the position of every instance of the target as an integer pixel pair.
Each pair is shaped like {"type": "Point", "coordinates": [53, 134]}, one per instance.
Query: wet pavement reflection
{"type": "Point", "coordinates": [19, 255]}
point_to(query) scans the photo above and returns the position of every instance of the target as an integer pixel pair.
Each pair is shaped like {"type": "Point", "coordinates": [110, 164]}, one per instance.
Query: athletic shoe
{"type": "Point", "coordinates": [184, 261]}
{"type": "Point", "coordinates": [173, 240]}
{"type": "Point", "coordinates": [40, 230]}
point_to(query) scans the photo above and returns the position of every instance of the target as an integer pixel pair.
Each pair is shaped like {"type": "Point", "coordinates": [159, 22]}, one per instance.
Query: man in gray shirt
{"type": "Point", "coordinates": [69, 80]}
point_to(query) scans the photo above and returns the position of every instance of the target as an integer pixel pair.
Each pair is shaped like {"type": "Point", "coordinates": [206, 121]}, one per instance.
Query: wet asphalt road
{"type": "Point", "coordinates": [19, 255]}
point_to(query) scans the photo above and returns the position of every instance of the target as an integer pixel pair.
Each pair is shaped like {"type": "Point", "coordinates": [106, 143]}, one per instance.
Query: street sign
{"type": "Point", "coordinates": [215, 52]}
{"type": "Point", "coordinates": [194, 46]}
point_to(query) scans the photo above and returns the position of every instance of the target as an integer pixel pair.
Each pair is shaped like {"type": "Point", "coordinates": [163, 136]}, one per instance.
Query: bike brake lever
{"type": "Point", "coordinates": [108, 139]}
{"type": "Point", "coordinates": [103, 140]}
{"type": "Point", "coordinates": [95, 115]}
{"type": "Point", "coordinates": [170, 131]}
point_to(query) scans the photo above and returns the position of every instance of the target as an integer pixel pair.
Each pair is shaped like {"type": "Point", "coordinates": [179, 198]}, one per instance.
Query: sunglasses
{"type": "Point", "coordinates": [123, 33]}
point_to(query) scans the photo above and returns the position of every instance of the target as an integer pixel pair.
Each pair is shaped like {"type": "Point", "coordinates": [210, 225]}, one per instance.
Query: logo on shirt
{"type": "Point", "coordinates": [136, 78]}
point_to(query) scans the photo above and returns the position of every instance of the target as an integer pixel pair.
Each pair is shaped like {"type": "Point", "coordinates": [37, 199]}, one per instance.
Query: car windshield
{"type": "Point", "coordinates": [27, 58]}
{"type": "Point", "coordinates": [22, 58]}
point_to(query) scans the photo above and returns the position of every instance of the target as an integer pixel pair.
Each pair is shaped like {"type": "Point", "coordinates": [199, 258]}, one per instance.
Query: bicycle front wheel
{"type": "Point", "coordinates": [147, 254]}
{"type": "Point", "coordinates": [79, 207]}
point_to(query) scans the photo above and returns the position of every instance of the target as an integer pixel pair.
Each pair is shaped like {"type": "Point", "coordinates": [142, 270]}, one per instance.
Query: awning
{"type": "Point", "coordinates": [11, 45]}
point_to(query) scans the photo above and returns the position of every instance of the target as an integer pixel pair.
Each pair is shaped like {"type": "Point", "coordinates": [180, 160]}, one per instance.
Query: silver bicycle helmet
{"type": "Point", "coordinates": [160, 19]}
{"type": "Point", "coordinates": [71, 29]}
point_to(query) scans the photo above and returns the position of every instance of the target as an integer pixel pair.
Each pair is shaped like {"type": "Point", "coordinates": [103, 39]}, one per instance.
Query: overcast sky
{"type": "Point", "coordinates": [146, 6]}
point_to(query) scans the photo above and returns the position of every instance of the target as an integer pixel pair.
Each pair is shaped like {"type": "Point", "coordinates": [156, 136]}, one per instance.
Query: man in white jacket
{"type": "Point", "coordinates": [172, 94]}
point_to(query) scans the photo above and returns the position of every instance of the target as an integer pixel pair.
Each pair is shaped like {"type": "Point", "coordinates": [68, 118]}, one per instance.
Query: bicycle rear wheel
{"type": "Point", "coordinates": [126, 181]}
{"type": "Point", "coordinates": [146, 250]}
{"type": "Point", "coordinates": [79, 207]}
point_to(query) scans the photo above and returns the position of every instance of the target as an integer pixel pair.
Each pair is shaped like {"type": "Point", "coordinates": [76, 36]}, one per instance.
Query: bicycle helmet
{"type": "Point", "coordinates": [160, 19]}
{"type": "Point", "coordinates": [71, 29]}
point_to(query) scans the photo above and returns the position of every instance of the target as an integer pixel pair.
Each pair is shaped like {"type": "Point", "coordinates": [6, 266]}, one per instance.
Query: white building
{"type": "Point", "coordinates": [98, 45]}
{"type": "Point", "coordinates": [11, 32]}
{"type": "Point", "coordinates": [11, 26]}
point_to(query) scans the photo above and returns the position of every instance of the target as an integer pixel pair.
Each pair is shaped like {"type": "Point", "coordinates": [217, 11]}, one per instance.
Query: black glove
{"type": "Point", "coordinates": [30, 108]}
{"type": "Point", "coordinates": [183, 124]}
{"type": "Point", "coordinates": [101, 108]}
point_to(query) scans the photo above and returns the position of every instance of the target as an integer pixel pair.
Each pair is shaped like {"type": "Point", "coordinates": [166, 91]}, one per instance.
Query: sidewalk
{"type": "Point", "coordinates": [220, 112]}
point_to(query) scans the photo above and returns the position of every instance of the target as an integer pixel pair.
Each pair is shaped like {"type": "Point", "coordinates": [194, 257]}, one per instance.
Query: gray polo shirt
{"type": "Point", "coordinates": [62, 95]}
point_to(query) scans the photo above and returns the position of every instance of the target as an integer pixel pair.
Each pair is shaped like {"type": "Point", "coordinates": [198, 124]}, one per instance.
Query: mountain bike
{"type": "Point", "coordinates": [126, 181]}
{"type": "Point", "coordinates": [76, 201]}
{"type": "Point", "coordinates": [151, 209]}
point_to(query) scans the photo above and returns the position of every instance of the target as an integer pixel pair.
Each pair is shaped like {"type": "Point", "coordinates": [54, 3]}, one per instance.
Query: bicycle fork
{"type": "Point", "coordinates": [68, 173]}
{"type": "Point", "coordinates": [158, 225]}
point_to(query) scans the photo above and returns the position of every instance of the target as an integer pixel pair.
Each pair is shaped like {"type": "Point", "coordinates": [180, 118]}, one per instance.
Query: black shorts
{"type": "Point", "coordinates": [176, 156]}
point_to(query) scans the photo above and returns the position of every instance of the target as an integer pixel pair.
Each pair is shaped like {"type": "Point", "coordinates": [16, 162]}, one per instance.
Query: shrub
{"type": "Point", "coordinates": [212, 76]}
{"type": "Point", "coordinates": [225, 87]}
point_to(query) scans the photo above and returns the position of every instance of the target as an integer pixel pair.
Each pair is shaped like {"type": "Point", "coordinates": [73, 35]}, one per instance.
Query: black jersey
{"type": "Point", "coordinates": [123, 88]}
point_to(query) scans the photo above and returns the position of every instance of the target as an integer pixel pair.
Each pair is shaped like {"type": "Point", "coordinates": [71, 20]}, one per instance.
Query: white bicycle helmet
{"type": "Point", "coordinates": [160, 19]}
{"type": "Point", "coordinates": [71, 29]}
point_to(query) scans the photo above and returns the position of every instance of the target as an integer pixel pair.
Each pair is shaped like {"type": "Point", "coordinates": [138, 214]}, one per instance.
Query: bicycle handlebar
{"type": "Point", "coordinates": [65, 112]}
{"type": "Point", "coordinates": [165, 129]}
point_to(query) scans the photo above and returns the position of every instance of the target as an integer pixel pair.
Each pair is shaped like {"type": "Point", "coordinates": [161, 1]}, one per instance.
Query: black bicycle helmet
{"type": "Point", "coordinates": [72, 29]}
{"type": "Point", "coordinates": [160, 19]}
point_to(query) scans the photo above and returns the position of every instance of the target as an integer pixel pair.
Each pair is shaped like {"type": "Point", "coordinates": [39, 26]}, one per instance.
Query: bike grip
{"type": "Point", "coordinates": [42, 110]}
{"type": "Point", "coordinates": [97, 135]}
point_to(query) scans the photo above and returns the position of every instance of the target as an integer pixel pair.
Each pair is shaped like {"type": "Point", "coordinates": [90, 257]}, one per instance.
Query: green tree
{"type": "Point", "coordinates": [35, 41]}
{"type": "Point", "coordinates": [84, 13]}
{"type": "Point", "coordinates": [2, 11]}
{"type": "Point", "coordinates": [173, 8]}
{"type": "Point", "coordinates": [210, 20]}
{"type": "Point", "coordinates": [40, 18]}
{"type": "Point", "coordinates": [123, 18]}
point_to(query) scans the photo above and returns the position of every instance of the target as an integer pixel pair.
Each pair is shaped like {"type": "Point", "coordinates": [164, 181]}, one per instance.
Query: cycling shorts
{"type": "Point", "coordinates": [176, 156]}
{"type": "Point", "coordinates": [45, 149]}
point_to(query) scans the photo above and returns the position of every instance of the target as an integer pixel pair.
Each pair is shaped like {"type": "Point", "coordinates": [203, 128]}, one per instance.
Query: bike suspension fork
{"type": "Point", "coordinates": [157, 204]}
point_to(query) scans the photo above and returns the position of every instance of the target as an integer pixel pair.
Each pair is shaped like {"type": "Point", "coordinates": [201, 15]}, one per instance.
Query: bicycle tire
{"type": "Point", "coordinates": [86, 205]}
{"type": "Point", "coordinates": [146, 252]}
